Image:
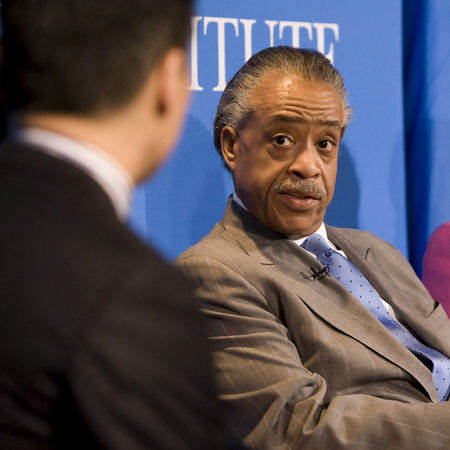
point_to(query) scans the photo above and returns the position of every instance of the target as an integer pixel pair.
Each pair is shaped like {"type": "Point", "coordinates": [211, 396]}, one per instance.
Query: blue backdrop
{"type": "Point", "coordinates": [427, 119]}
{"type": "Point", "coordinates": [395, 59]}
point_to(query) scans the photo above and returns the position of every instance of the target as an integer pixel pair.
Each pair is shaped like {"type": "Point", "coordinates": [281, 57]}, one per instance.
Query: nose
{"type": "Point", "coordinates": [306, 162]}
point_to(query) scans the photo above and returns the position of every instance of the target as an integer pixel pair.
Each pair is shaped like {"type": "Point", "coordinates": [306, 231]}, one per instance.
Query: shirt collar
{"type": "Point", "coordinates": [104, 169]}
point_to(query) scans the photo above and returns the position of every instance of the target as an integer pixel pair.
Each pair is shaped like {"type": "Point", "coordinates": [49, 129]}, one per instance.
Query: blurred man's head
{"type": "Point", "coordinates": [109, 73]}
{"type": "Point", "coordinates": [278, 127]}
{"type": "Point", "coordinates": [86, 56]}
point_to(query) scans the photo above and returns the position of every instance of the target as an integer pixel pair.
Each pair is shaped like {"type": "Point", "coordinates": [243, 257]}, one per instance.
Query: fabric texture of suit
{"type": "Point", "coordinates": [102, 344]}
{"type": "Point", "coordinates": [436, 266]}
{"type": "Point", "coordinates": [301, 364]}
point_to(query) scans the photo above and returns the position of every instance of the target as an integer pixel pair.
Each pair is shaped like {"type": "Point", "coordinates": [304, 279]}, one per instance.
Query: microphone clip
{"type": "Point", "coordinates": [319, 274]}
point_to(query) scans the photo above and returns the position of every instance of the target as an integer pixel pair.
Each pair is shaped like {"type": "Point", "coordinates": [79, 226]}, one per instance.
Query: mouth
{"type": "Point", "coordinates": [299, 195]}
{"type": "Point", "coordinates": [298, 202]}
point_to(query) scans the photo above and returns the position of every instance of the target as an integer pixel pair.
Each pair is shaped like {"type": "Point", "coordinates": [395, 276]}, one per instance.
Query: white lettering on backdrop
{"type": "Point", "coordinates": [312, 28]}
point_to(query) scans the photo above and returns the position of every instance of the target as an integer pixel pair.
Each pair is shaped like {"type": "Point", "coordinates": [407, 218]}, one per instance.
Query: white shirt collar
{"type": "Point", "coordinates": [322, 231]}
{"type": "Point", "coordinates": [104, 169]}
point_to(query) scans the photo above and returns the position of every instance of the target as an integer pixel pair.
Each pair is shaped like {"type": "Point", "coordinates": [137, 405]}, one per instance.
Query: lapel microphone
{"type": "Point", "coordinates": [319, 274]}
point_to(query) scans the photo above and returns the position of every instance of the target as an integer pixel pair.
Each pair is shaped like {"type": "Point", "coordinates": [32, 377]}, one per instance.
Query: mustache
{"type": "Point", "coordinates": [300, 186]}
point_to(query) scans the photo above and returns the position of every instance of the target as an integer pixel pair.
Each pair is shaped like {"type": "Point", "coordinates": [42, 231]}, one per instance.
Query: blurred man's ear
{"type": "Point", "coordinates": [171, 81]}
{"type": "Point", "coordinates": [164, 99]}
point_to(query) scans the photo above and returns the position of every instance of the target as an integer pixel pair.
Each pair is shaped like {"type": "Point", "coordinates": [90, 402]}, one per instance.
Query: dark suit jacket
{"type": "Point", "coordinates": [101, 342]}
{"type": "Point", "coordinates": [436, 266]}
{"type": "Point", "coordinates": [301, 363]}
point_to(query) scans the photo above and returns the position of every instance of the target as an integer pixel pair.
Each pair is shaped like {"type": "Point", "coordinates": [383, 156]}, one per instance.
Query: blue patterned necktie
{"type": "Point", "coordinates": [353, 280]}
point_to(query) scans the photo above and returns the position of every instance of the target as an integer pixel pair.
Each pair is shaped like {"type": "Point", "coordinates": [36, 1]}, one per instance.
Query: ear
{"type": "Point", "coordinates": [228, 144]}
{"type": "Point", "coordinates": [172, 82]}
{"type": "Point", "coordinates": [163, 103]}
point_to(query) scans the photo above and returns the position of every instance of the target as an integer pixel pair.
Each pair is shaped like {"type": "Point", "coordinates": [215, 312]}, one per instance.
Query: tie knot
{"type": "Point", "coordinates": [316, 244]}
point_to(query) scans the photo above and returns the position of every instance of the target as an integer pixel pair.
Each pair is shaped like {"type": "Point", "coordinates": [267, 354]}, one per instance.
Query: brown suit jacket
{"type": "Point", "coordinates": [301, 364]}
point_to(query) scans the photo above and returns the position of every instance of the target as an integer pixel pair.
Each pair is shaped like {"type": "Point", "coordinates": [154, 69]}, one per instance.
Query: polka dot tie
{"type": "Point", "coordinates": [353, 280]}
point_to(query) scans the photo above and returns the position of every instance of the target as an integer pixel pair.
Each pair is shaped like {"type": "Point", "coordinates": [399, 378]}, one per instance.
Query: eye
{"type": "Point", "coordinates": [282, 140]}
{"type": "Point", "coordinates": [326, 144]}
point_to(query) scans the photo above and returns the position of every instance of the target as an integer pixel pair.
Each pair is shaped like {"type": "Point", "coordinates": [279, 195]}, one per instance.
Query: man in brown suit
{"type": "Point", "coordinates": [301, 362]}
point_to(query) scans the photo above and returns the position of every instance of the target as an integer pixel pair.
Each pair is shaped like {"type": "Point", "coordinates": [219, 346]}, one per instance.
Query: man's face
{"type": "Point", "coordinates": [284, 158]}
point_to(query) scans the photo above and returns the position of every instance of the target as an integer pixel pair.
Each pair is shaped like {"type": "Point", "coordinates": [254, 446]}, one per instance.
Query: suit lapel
{"type": "Point", "coordinates": [406, 294]}
{"type": "Point", "coordinates": [362, 256]}
{"type": "Point", "coordinates": [326, 296]}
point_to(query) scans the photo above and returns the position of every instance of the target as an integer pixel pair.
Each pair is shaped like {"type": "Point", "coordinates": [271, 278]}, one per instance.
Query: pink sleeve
{"type": "Point", "coordinates": [436, 266]}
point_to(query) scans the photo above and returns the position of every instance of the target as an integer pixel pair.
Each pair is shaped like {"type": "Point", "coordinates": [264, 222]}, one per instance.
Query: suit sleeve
{"type": "Point", "coordinates": [141, 373]}
{"type": "Point", "coordinates": [273, 401]}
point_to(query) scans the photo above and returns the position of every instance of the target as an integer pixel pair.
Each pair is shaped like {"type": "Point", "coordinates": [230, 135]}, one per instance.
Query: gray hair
{"type": "Point", "coordinates": [310, 65]}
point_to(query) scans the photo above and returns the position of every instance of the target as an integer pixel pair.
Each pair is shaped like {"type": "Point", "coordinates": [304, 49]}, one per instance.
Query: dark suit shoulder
{"type": "Point", "coordinates": [91, 316]}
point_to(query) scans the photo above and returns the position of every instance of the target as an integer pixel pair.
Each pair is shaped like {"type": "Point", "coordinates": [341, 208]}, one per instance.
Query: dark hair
{"type": "Point", "coordinates": [310, 65]}
{"type": "Point", "coordinates": [85, 56]}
